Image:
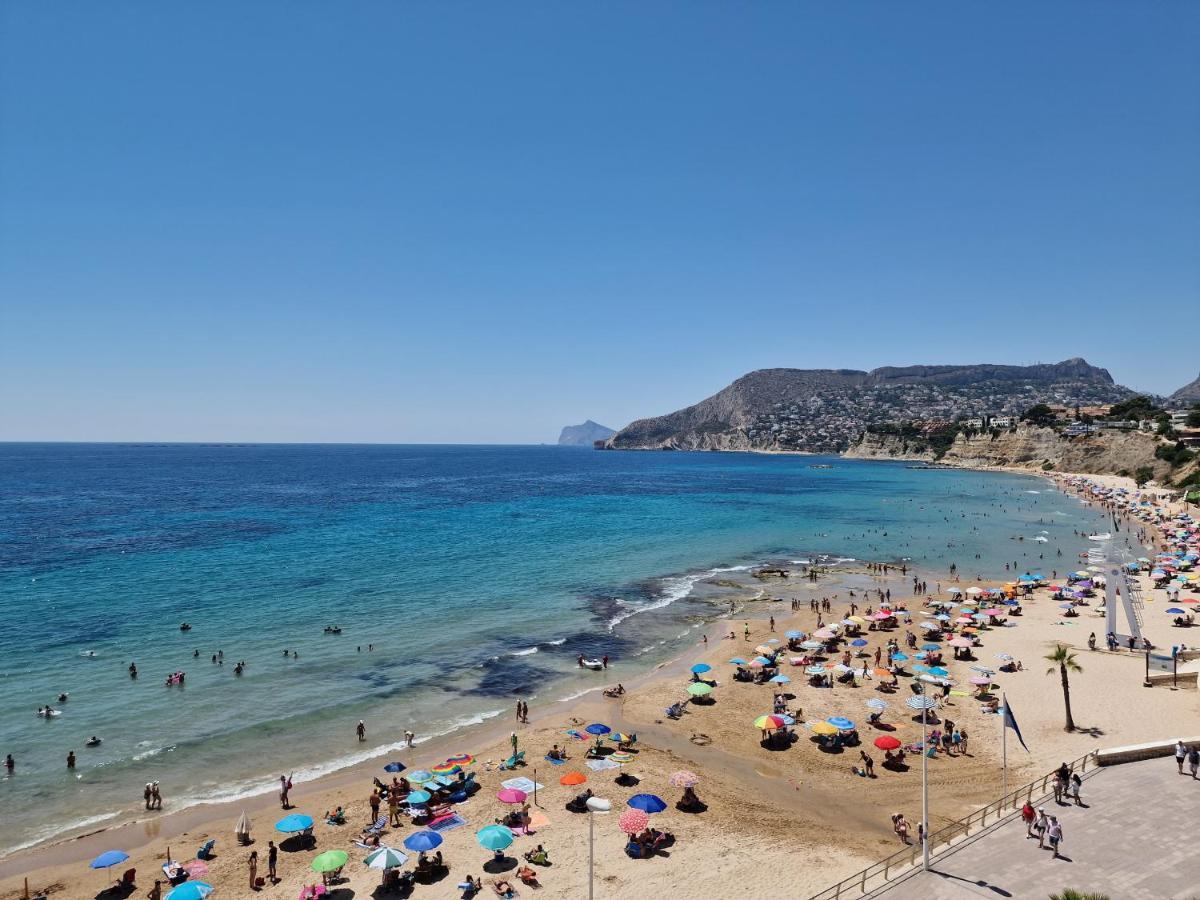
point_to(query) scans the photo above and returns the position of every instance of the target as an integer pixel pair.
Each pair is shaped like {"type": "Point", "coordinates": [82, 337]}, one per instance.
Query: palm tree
{"type": "Point", "coordinates": [1064, 660]}
{"type": "Point", "coordinates": [1072, 894]}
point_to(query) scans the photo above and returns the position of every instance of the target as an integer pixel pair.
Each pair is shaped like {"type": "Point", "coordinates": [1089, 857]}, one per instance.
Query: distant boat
{"type": "Point", "coordinates": [820, 466]}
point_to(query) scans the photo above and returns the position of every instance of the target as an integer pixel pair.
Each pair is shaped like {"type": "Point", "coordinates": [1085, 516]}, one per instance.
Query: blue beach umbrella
{"type": "Point", "coordinates": [191, 890]}
{"type": "Point", "coordinates": [109, 858]}
{"type": "Point", "coordinates": [921, 655]}
{"type": "Point", "coordinates": [920, 668]}
{"type": "Point", "coordinates": [1175, 611]}
{"type": "Point", "coordinates": [395, 767]}
{"type": "Point", "coordinates": [859, 642]}
{"type": "Point", "coordinates": [787, 720]}
{"type": "Point", "coordinates": [931, 647]}
{"type": "Point", "coordinates": [939, 672]}
{"type": "Point", "coordinates": [294, 823]}
{"type": "Point", "coordinates": [494, 837]}
{"type": "Point", "coordinates": [737, 661]}
{"type": "Point", "coordinates": [419, 796]}
{"type": "Point", "coordinates": [900, 657]}
{"type": "Point", "coordinates": [841, 723]}
{"type": "Point", "coordinates": [781, 679]}
{"type": "Point", "coordinates": [648, 803]}
{"type": "Point", "coordinates": [597, 729]}
{"type": "Point", "coordinates": [423, 841]}
{"type": "Point", "coordinates": [701, 668]}
{"type": "Point", "coordinates": [421, 776]}
{"type": "Point", "coordinates": [763, 661]}
{"type": "Point", "coordinates": [794, 634]}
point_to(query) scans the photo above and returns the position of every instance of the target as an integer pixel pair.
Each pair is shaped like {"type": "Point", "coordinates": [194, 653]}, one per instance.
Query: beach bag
{"type": "Point", "coordinates": [260, 881]}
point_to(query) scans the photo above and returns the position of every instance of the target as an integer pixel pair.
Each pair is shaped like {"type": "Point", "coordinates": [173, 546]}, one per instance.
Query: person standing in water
{"type": "Point", "coordinates": [361, 730]}
{"type": "Point", "coordinates": [70, 759]}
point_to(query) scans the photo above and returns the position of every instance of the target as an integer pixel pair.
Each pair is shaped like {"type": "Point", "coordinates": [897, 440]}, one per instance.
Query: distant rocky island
{"type": "Point", "coordinates": [584, 435]}
{"type": "Point", "coordinates": [827, 410]}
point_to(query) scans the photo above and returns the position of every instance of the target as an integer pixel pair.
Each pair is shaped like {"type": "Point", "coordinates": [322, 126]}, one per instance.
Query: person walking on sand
{"type": "Point", "coordinates": [746, 631]}
{"type": "Point", "coordinates": [361, 730]}
{"type": "Point", "coordinates": [285, 785]}
{"type": "Point", "coordinates": [146, 793]}
{"type": "Point", "coordinates": [1193, 760]}
{"type": "Point", "coordinates": [252, 865]}
{"type": "Point", "coordinates": [409, 737]}
{"type": "Point", "coordinates": [155, 893]}
{"type": "Point", "coordinates": [518, 710]}
{"type": "Point", "coordinates": [1076, 785]}
{"type": "Point", "coordinates": [1180, 754]}
{"type": "Point", "coordinates": [1040, 824]}
{"type": "Point", "coordinates": [155, 795]}
{"type": "Point", "coordinates": [772, 620]}
{"type": "Point", "coordinates": [524, 712]}
{"type": "Point", "coordinates": [272, 861]}
{"type": "Point", "coordinates": [900, 826]}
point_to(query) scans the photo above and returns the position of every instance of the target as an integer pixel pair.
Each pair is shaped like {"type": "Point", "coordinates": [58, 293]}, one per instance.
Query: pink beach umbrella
{"type": "Point", "coordinates": [633, 820]}
{"type": "Point", "coordinates": [960, 642]}
{"type": "Point", "coordinates": [980, 680]}
{"type": "Point", "coordinates": [511, 795]}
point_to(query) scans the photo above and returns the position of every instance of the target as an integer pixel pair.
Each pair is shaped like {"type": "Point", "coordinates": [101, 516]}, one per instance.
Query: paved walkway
{"type": "Point", "coordinates": [1134, 841]}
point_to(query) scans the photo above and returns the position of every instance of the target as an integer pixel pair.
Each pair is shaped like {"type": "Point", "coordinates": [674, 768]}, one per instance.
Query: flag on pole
{"type": "Point", "coordinates": [1010, 721]}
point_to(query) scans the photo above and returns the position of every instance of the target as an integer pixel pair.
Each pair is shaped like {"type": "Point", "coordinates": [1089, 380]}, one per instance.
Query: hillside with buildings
{"type": "Point", "coordinates": [827, 410]}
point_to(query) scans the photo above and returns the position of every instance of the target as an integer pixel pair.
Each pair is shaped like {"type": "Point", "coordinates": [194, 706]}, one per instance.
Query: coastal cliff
{"type": "Point", "coordinates": [1027, 447]}
{"type": "Point", "coordinates": [584, 435]}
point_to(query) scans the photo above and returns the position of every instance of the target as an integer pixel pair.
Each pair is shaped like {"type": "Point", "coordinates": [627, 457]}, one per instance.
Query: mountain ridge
{"type": "Point", "coordinates": [584, 435]}
{"type": "Point", "coordinates": [824, 410]}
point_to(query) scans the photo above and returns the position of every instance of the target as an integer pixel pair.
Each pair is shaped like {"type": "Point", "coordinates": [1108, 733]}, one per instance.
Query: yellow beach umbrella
{"type": "Point", "coordinates": [824, 728]}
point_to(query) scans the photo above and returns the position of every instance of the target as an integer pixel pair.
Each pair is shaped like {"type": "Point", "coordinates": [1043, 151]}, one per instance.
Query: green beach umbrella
{"type": "Point", "coordinates": [330, 861]}
{"type": "Point", "coordinates": [494, 837]}
{"type": "Point", "coordinates": [699, 689]}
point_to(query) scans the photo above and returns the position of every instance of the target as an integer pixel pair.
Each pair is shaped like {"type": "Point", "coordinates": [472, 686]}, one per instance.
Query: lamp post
{"type": "Point", "coordinates": [923, 703]}
{"type": "Point", "coordinates": [594, 805]}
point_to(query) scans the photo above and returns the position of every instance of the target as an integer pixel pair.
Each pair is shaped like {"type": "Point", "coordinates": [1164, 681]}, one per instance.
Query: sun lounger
{"type": "Point", "coordinates": [377, 827]}
{"type": "Point", "coordinates": [205, 851]}
{"type": "Point", "coordinates": [517, 759]}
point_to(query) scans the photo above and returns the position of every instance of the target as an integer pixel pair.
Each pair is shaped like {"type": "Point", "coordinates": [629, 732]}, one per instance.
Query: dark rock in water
{"type": "Point", "coordinates": [584, 435]}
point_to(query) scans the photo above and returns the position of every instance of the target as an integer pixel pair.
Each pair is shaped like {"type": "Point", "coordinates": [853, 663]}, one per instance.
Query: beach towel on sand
{"type": "Point", "coordinates": [599, 765]}
{"type": "Point", "coordinates": [538, 819]}
{"type": "Point", "coordinates": [447, 823]}
{"type": "Point", "coordinates": [556, 762]}
{"type": "Point", "coordinates": [522, 784]}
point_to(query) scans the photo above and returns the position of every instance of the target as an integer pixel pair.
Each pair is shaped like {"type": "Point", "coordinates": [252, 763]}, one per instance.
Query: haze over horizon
{"type": "Point", "coordinates": [385, 223]}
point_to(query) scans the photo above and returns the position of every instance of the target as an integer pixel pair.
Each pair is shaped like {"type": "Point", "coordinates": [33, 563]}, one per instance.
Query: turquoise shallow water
{"type": "Point", "coordinates": [478, 574]}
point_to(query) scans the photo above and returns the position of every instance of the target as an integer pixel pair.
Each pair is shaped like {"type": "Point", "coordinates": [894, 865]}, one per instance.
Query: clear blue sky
{"type": "Point", "coordinates": [450, 221]}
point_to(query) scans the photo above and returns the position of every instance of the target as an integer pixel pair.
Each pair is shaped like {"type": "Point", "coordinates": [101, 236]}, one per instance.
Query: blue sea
{"type": "Point", "coordinates": [477, 574]}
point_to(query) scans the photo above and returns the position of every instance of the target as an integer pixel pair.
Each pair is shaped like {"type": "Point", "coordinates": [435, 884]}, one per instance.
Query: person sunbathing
{"type": "Point", "coordinates": [503, 888]}
{"type": "Point", "coordinates": [528, 876]}
{"type": "Point", "coordinates": [556, 753]}
{"type": "Point", "coordinates": [538, 857]}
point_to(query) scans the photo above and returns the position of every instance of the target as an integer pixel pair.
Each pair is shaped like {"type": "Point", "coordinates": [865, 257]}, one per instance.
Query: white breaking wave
{"type": "Point", "coordinates": [674, 588]}
{"type": "Point", "coordinates": [49, 831]}
{"type": "Point", "coordinates": [528, 651]}
{"type": "Point", "coordinates": [577, 695]}
{"type": "Point", "coordinates": [557, 643]}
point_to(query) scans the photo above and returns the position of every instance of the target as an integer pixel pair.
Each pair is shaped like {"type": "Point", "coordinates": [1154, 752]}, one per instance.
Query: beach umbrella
{"type": "Point", "coordinates": [395, 767]}
{"type": "Point", "coordinates": [920, 701]}
{"type": "Point", "coordinates": [420, 776]}
{"type": "Point", "coordinates": [632, 821]}
{"type": "Point", "coordinates": [242, 826]}
{"type": "Point", "coordinates": [772, 640]}
{"type": "Point", "coordinates": [824, 634]}
{"type": "Point", "coordinates": [842, 668]}
{"type": "Point", "coordinates": [768, 721]}
{"type": "Point", "coordinates": [423, 841]}
{"type": "Point", "coordinates": [1007, 657]}
{"type": "Point", "coordinates": [191, 890]}
{"type": "Point", "coordinates": [859, 642]}
{"type": "Point", "coordinates": [824, 728]}
{"type": "Point", "coordinates": [792, 635]}
{"type": "Point", "coordinates": [974, 591]}
{"type": "Point", "coordinates": [900, 657]}
{"type": "Point", "coordinates": [573, 778]}
{"type": "Point", "coordinates": [942, 617]}
{"type": "Point", "coordinates": [763, 649]}
{"type": "Point", "coordinates": [930, 646]}
{"type": "Point", "coordinates": [737, 661]}
{"type": "Point", "coordinates": [781, 679]}
{"type": "Point", "coordinates": [446, 768]}
{"type": "Point", "coordinates": [922, 655]}
{"type": "Point", "coordinates": [920, 668]}
{"type": "Point", "coordinates": [683, 779]}
{"type": "Point", "coordinates": [841, 723]}
{"type": "Point", "coordinates": [621, 737]}
{"type": "Point", "coordinates": [511, 795]}
{"type": "Point", "coordinates": [330, 861]}
{"type": "Point", "coordinates": [621, 757]}
{"type": "Point", "coordinates": [953, 590]}
{"type": "Point", "coordinates": [1174, 611]}
{"type": "Point", "coordinates": [980, 680]}
{"type": "Point", "coordinates": [939, 671]}
{"type": "Point", "coordinates": [960, 642]}
{"type": "Point", "coordinates": [494, 837]}
{"type": "Point", "coordinates": [858, 620]}
{"type": "Point", "coordinates": [109, 858]}
{"type": "Point", "coordinates": [876, 703]}
{"type": "Point", "coordinates": [649, 803]}
{"type": "Point", "coordinates": [294, 823]}
{"type": "Point", "coordinates": [887, 742]}
{"type": "Point", "coordinates": [462, 759]}
{"type": "Point", "coordinates": [419, 797]}
{"type": "Point", "coordinates": [882, 673]}
{"type": "Point", "coordinates": [930, 626]}
{"type": "Point", "coordinates": [811, 645]}
{"type": "Point", "coordinates": [385, 858]}
{"type": "Point", "coordinates": [701, 668]}
{"type": "Point", "coordinates": [815, 670]}
{"type": "Point", "coordinates": [699, 689]}
{"type": "Point", "coordinates": [597, 729]}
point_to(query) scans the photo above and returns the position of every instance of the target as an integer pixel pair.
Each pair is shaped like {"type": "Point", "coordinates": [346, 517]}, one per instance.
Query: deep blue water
{"type": "Point", "coordinates": [454, 562]}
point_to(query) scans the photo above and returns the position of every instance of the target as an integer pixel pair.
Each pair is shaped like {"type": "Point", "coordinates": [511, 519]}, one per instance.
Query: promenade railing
{"type": "Point", "coordinates": [899, 863]}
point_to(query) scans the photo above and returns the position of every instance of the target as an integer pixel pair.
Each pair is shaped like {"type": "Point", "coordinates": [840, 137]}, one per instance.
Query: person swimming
{"type": "Point", "coordinates": [93, 741]}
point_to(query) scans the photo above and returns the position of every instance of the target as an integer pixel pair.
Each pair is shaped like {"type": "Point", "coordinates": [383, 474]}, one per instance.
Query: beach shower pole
{"type": "Point", "coordinates": [594, 805]}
